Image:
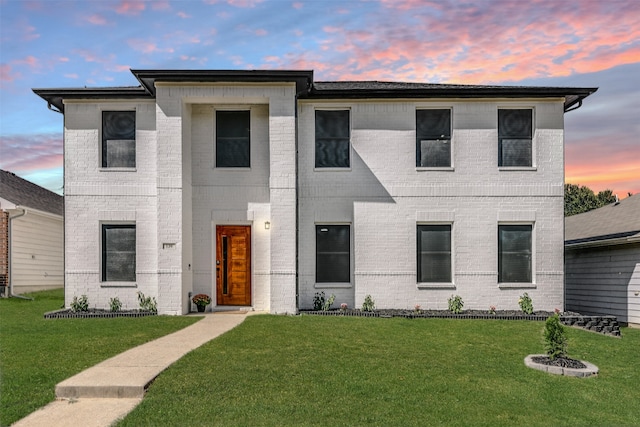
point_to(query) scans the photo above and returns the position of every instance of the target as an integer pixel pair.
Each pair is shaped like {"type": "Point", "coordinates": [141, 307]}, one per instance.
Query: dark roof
{"type": "Point", "coordinates": [307, 88]}
{"type": "Point", "coordinates": [614, 221]}
{"type": "Point", "coordinates": [27, 194]}
{"type": "Point", "coordinates": [376, 89]}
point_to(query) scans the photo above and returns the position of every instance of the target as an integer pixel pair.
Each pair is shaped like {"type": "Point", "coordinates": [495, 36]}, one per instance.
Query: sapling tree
{"type": "Point", "coordinates": [555, 338]}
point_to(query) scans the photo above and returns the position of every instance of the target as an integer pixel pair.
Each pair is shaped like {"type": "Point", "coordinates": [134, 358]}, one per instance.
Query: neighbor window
{"type": "Point", "coordinates": [434, 253]}
{"type": "Point", "coordinates": [118, 253]}
{"type": "Point", "coordinates": [118, 139]}
{"type": "Point", "coordinates": [333, 254]}
{"type": "Point", "coordinates": [433, 138]}
{"type": "Point", "coordinates": [514, 253]}
{"type": "Point", "coordinates": [515, 138]}
{"type": "Point", "coordinates": [332, 139]}
{"type": "Point", "coordinates": [233, 143]}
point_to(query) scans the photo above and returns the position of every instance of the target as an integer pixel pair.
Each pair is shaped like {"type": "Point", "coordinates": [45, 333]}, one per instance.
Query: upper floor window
{"type": "Point", "coordinates": [333, 136]}
{"type": "Point", "coordinates": [118, 253]}
{"type": "Point", "coordinates": [515, 253]}
{"type": "Point", "coordinates": [515, 137]}
{"type": "Point", "coordinates": [333, 254]}
{"type": "Point", "coordinates": [233, 142]}
{"type": "Point", "coordinates": [434, 253]}
{"type": "Point", "coordinates": [433, 138]}
{"type": "Point", "coordinates": [118, 139]}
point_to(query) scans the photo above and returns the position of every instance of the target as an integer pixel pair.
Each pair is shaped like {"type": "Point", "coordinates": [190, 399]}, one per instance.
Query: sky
{"type": "Point", "coordinates": [577, 43]}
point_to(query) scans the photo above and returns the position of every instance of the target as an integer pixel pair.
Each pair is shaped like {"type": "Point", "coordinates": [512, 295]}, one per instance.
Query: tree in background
{"type": "Point", "coordinates": [579, 199]}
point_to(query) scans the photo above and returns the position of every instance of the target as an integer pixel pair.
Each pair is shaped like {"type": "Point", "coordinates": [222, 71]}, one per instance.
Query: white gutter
{"type": "Point", "coordinates": [605, 242]}
{"type": "Point", "coordinates": [10, 287]}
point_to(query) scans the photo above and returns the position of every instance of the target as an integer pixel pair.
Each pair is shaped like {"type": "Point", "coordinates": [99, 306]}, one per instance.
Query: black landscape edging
{"type": "Point", "coordinates": [95, 314]}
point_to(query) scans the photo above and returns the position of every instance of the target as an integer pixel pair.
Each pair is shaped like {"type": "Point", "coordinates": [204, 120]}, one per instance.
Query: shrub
{"type": "Point", "coordinates": [526, 305]}
{"type": "Point", "coordinates": [329, 303]}
{"type": "Point", "coordinates": [455, 304]}
{"type": "Point", "coordinates": [115, 304]}
{"type": "Point", "coordinates": [318, 301]}
{"type": "Point", "coordinates": [368, 304]}
{"type": "Point", "coordinates": [201, 299]}
{"type": "Point", "coordinates": [147, 303]}
{"type": "Point", "coordinates": [417, 309]}
{"type": "Point", "coordinates": [492, 309]}
{"type": "Point", "coordinates": [80, 304]}
{"type": "Point", "coordinates": [555, 338]}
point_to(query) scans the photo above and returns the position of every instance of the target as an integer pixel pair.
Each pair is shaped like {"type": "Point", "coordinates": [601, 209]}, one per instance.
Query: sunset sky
{"type": "Point", "coordinates": [584, 43]}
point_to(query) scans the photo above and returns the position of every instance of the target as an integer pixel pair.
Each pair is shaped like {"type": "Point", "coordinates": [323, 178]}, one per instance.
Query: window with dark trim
{"type": "Point", "coordinates": [233, 142]}
{"type": "Point", "coordinates": [333, 254]}
{"type": "Point", "coordinates": [514, 253]}
{"type": "Point", "coordinates": [515, 137]}
{"type": "Point", "coordinates": [118, 139]}
{"type": "Point", "coordinates": [433, 138]}
{"type": "Point", "coordinates": [332, 139]}
{"type": "Point", "coordinates": [118, 253]}
{"type": "Point", "coordinates": [434, 253]}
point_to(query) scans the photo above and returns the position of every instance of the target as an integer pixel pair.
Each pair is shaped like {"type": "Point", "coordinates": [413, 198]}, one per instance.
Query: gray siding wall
{"type": "Point", "coordinates": [603, 281]}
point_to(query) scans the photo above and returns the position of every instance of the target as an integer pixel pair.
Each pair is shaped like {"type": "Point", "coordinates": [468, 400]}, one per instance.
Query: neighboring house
{"type": "Point", "coordinates": [31, 236]}
{"type": "Point", "coordinates": [263, 188]}
{"type": "Point", "coordinates": [602, 257]}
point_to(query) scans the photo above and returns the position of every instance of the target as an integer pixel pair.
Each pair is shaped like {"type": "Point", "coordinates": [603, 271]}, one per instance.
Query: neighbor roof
{"type": "Point", "coordinates": [307, 88]}
{"type": "Point", "coordinates": [24, 193]}
{"type": "Point", "coordinates": [619, 220]}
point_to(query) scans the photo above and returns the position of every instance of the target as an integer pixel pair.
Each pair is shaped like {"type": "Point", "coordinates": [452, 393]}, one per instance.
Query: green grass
{"type": "Point", "coordinates": [36, 354]}
{"type": "Point", "coordinates": [306, 370]}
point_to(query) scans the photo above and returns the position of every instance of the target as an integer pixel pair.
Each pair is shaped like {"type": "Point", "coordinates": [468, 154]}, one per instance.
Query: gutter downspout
{"type": "Point", "coordinates": [11, 294]}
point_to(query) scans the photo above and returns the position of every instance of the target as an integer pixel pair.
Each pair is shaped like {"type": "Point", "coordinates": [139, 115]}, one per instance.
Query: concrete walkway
{"type": "Point", "coordinates": [101, 395]}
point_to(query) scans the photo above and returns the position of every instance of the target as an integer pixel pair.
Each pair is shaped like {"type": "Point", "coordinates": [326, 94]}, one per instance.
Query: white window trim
{"type": "Point", "coordinates": [115, 284]}
{"type": "Point", "coordinates": [519, 285]}
{"type": "Point", "coordinates": [334, 169]}
{"type": "Point", "coordinates": [534, 164]}
{"type": "Point", "coordinates": [437, 285]}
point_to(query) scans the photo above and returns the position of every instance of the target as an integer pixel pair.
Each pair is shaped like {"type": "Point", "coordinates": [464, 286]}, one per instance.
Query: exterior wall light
{"type": "Point", "coordinates": [267, 225]}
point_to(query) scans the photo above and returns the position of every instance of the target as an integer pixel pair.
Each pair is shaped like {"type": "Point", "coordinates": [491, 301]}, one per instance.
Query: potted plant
{"type": "Point", "coordinates": [201, 301]}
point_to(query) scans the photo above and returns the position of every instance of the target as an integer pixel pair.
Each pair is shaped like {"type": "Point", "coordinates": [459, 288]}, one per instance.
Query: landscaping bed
{"type": "Point", "coordinates": [96, 313]}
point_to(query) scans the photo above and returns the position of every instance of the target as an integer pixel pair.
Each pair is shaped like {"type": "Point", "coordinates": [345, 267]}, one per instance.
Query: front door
{"type": "Point", "coordinates": [233, 264]}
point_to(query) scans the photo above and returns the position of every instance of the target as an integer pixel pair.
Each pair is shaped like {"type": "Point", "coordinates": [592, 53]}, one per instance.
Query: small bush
{"type": "Point", "coordinates": [526, 305]}
{"type": "Point", "coordinates": [368, 304]}
{"type": "Point", "coordinates": [80, 304]}
{"type": "Point", "coordinates": [329, 303]}
{"type": "Point", "coordinates": [555, 338]}
{"type": "Point", "coordinates": [147, 303]}
{"type": "Point", "coordinates": [455, 304]}
{"type": "Point", "coordinates": [318, 301]}
{"type": "Point", "coordinates": [115, 305]}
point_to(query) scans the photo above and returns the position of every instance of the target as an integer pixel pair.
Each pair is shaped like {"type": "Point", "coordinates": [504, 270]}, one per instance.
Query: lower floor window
{"type": "Point", "coordinates": [333, 254]}
{"type": "Point", "coordinates": [434, 253]}
{"type": "Point", "coordinates": [118, 252]}
{"type": "Point", "coordinates": [514, 253]}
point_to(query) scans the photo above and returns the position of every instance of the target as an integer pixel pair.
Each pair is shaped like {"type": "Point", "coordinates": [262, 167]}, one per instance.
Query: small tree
{"type": "Point", "coordinates": [555, 338]}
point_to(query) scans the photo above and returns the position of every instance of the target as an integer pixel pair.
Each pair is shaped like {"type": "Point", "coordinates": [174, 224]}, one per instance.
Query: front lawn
{"type": "Point", "coordinates": [307, 370]}
{"type": "Point", "coordinates": [36, 354]}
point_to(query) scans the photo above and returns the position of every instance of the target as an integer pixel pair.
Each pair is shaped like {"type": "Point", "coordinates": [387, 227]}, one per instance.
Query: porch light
{"type": "Point", "coordinates": [267, 225]}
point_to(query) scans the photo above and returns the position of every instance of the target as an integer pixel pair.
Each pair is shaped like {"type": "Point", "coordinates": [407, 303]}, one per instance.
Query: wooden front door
{"type": "Point", "coordinates": [233, 264]}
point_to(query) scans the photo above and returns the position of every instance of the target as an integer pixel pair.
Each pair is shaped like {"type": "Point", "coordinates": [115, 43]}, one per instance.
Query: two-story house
{"type": "Point", "coordinates": [262, 188]}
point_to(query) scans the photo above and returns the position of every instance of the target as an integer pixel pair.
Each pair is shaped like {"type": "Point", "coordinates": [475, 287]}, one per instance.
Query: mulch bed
{"type": "Point", "coordinates": [95, 313]}
{"type": "Point", "coordinates": [446, 314]}
{"type": "Point", "coordinates": [563, 362]}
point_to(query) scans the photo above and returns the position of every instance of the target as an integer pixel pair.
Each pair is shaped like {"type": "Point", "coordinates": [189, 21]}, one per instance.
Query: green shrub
{"type": "Point", "coordinates": [318, 301]}
{"type": "Point", "coordinates": [147, 303]}
{"type": "Point", "coordinates": [555, 338]}
{"type": "Point", "coordinates": [329, 303]}
{"type": "Point", "coordinates": [368, 304]}
{"type": "Point", "coordinates": [80, 304]}
{"type": "Point", "coordinates": [115, 305]}
{"type": "Point", "coordinates": [455, 304]}
{"type": "Point", "coordinates": [526, 305]}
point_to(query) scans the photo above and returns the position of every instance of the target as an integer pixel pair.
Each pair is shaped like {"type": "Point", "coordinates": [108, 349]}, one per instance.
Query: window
{"type": "Point", "coordinates": [233, 144]}
{"type": "Point", "coordinates": [515, 137]}
{"type": "Point", "coordinates": [332, 139]}
{"type": "Point", "coordinates": [514, 253]}
{"type": "Point", "coordinates": [333, 254]}
{"type": "Point", "coordinates": [433, 138]}
{"type": "Point", "coordinates": [118, 253]}
{"type": "Point", "coordinates": [118, 139]}
{"type": "Point", "coordinates": [434, 253]}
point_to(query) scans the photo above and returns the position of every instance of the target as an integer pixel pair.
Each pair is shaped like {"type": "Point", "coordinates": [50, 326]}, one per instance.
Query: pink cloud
{"type": "Point", "coordinates": [7, 74]}
{"type": "Point", "coordinates": [130, 7]}
{"type": "Point", "coordinates": [183, 15]}
{"type": "Point", "coordinates": [71, 76]}
{"type": "Point", "coordinates": [96, 19]}
{"type": "Point", "coordinates": [260, 32]}
{"type": "Point", "coordinates": [146, 46]}
{"type": "Point", "coordinates": [31, 152]}
{"type": "Point", "coordinates": [297, 5]}
{"type": "Point", "coordinates": [160, 5]}
{"type": "Point", "coordinates": [30, 61]}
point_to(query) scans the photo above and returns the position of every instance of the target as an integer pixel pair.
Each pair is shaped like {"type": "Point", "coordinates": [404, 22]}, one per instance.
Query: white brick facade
{"type": "Point", "coordinates": [176, 196]}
